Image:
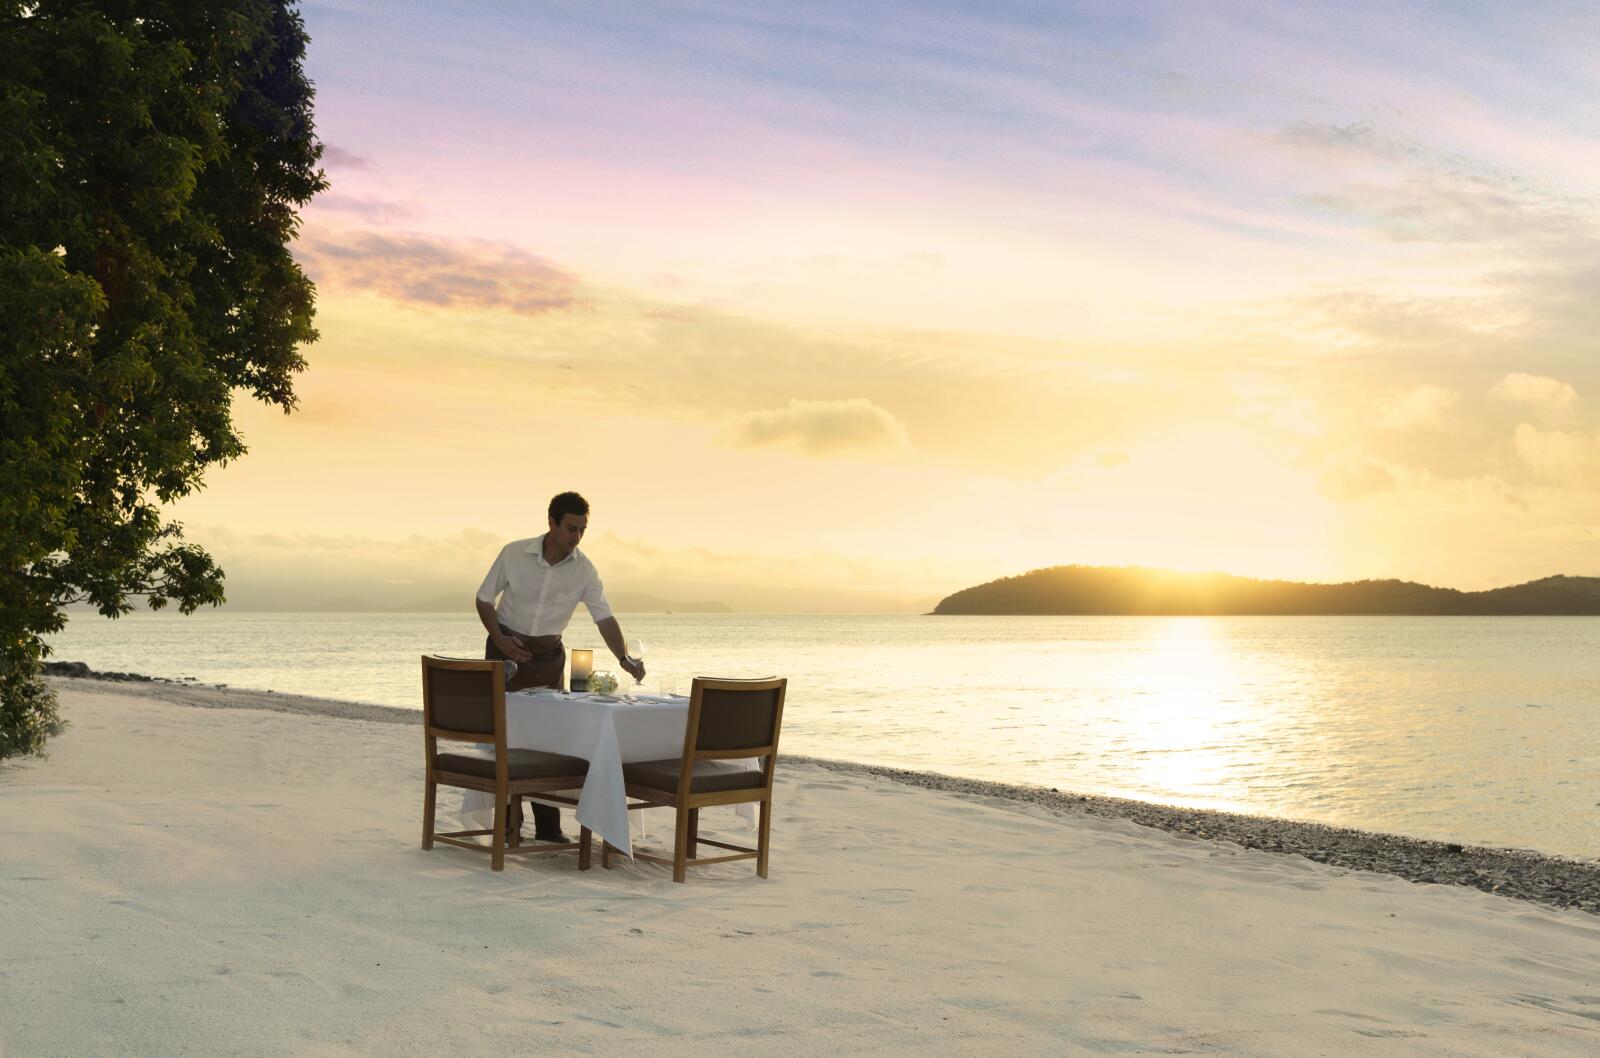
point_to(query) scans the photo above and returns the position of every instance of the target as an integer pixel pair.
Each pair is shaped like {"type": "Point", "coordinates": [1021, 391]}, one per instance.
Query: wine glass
{"type": "Point", "coordinates": [635, 650]}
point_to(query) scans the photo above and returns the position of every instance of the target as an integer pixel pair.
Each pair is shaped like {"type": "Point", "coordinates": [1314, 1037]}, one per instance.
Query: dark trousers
{"type": "Point", "coordinates": [544, 669]}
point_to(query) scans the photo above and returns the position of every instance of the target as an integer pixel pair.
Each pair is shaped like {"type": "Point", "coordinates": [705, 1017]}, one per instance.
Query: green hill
{"type": "Point", "coordinates": [1134, 590]}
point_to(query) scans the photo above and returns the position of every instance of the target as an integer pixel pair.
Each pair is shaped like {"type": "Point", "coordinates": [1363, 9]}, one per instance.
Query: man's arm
{"type": "Point", "coordinates": [611, 632]}
{"type": "Point", "coordinates": [491, 624]}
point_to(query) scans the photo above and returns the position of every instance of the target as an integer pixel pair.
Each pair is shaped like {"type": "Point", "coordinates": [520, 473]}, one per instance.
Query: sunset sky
{"type": "Point", "coordinates": [848, 306]}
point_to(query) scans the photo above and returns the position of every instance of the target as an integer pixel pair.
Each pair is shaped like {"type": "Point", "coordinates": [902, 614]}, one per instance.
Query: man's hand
{"type": "Point", "coordinates": [611, 632]}
{"type": "Point", "coordinates": [512, 649]}
{"type": "Point", "coordinates": [510, 646]}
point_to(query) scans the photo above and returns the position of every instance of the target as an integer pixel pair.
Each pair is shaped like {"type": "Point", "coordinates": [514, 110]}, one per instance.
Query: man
{"type": "Point", "coordinates": [540, 583]}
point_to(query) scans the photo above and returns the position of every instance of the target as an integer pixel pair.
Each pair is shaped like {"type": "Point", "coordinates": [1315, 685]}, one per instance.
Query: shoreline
{"type": "Point", "coordinates": [1521, 874]}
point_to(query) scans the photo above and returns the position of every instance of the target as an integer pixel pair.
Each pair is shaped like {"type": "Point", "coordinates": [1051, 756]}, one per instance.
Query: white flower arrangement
{"type": "Point", "coordinates": [602, 682]}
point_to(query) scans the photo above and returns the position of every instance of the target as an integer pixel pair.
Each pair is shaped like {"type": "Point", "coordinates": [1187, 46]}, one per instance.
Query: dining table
{"type": "Point", "coordinates": [606, 730]}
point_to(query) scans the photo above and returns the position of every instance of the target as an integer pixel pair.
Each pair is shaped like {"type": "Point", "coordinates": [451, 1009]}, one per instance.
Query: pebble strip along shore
{"type": "Point", "coordinates": [1521, 874]}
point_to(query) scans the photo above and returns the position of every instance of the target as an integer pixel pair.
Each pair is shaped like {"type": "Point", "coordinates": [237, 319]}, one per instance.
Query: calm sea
{"type": "Point", "coordinates": [1483, 730]}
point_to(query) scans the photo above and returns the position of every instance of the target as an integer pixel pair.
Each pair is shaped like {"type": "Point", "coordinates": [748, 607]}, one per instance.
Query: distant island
{"type": "Point", "coordinates": [1065, 590]}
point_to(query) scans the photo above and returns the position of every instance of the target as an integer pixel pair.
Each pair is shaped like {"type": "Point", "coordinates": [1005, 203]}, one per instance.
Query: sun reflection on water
{"type": "Point", "coordinates": [1180, 720]}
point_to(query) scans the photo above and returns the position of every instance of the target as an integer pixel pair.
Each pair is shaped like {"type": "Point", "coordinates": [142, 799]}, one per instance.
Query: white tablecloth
{"type": "Point", "coordinates": [606, 733]}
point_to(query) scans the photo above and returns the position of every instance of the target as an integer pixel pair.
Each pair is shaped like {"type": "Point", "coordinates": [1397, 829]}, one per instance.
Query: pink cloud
{"type": "Point", "coordinates": [339, 158]}
{"type": "Point", "coordinates": [438, 272]}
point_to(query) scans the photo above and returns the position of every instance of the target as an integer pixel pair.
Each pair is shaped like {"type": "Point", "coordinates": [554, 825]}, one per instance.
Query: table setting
{"type": "Point", "coordinates": [608, 730]}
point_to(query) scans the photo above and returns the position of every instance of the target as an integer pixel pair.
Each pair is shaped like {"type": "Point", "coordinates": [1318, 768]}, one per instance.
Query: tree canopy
{"type": "Point", "coordinates": [153, 156]}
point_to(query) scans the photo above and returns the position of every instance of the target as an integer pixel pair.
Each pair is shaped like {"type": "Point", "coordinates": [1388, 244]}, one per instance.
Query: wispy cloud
{"type": "Point", "coordinates": [637, 355]}
{"type": "Point", "coordinates": [821, 427]}
{"type": "Point", "coordinates": [1356, 137]}
{"type": "Point", "coordinates": [336, 157]}
{"type": "Point", "coordinates": [439, 273]}
{"type": "Point", "coordinates": [1453, 207]}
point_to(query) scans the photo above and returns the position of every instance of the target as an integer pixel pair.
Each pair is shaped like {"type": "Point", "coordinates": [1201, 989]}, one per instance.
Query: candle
{"type": "Point", "coordinates": [582, 668]}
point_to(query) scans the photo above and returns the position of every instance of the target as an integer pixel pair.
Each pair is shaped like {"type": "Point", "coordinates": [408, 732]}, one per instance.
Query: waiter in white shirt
{"type": "Point", "coordinates": [540, 583]}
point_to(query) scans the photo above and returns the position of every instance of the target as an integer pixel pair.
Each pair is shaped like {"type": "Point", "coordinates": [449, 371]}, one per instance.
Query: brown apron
{"type": "Point", "coordinates": [544, 669]}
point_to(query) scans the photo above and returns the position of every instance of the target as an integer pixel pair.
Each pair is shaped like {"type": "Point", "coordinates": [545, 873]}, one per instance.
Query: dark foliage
{"type": "Point", "coordinates": [152, 158]}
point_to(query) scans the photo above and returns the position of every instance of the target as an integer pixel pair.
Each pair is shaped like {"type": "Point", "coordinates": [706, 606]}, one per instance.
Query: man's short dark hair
{"type": "Point", "coordinates": [565, 503]}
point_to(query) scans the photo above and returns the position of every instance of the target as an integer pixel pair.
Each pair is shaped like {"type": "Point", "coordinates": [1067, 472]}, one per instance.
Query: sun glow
{"type": "Point", "coordinates": [1183, 714]}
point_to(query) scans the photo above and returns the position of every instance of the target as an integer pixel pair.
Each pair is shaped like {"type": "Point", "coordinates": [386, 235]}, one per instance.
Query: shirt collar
{"type": "Point", "coordinates": [536, 549]}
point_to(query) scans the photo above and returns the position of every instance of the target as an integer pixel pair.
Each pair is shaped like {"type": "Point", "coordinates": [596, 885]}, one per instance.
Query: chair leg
{"type": "Point", "coordinates": [514, 823]}
{"type": "Point", "coordinates": [694, 833]}
{"type": "Point", "coordinates": [764, 842]}
{"type": "Point", "coordinates": [429, 796]}
{"type": "Point", "coordinates": [497, 840]}
{"type": "Point", "coordinates": [605, 854]}
{"type": "Point", "coordinates": [585, 843]}
{"type": "Point", "coordinates": [680, 845]}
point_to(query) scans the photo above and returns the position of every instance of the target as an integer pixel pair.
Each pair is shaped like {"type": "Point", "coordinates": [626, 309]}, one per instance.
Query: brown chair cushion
{"type": "Point", "coordinates": [520, 764]}
{"type": "Point", "coordinates": [710, 776]}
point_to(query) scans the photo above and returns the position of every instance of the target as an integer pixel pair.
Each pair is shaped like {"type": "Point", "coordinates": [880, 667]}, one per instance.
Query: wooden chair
{"type": "Point", "coordinates": [728, 720]}
{"type": "Point", "coordinates": [465, 701]}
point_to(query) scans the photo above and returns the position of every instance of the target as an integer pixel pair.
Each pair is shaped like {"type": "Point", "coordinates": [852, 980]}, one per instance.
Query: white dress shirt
{"type": "Point", "coordinates": [536, 598]}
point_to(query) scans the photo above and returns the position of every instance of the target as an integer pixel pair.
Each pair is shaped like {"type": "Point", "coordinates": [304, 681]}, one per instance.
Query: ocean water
{"type": "Point", "coordinates": [1483, 730]}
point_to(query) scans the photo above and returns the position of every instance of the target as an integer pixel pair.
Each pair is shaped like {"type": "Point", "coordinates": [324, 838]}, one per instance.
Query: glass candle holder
{"type": "Point", "coordinates": [582, 669]}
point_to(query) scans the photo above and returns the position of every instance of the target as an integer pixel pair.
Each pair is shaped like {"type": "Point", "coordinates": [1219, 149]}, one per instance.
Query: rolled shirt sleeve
{"type": "Point", "coordinates": [594, 598]}
{"type": "Point", "coordinates": [496, 581]}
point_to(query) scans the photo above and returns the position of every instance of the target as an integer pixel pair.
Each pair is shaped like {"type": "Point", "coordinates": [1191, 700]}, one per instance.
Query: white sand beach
{"type": "Point", "coordinates": [178, 880]}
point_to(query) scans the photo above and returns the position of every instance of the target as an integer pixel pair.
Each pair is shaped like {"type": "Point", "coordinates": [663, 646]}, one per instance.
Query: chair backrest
{"type": "Point", "coordinates": [463, 698]}
{"type": "Point", "coordinates": [735, 718]}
